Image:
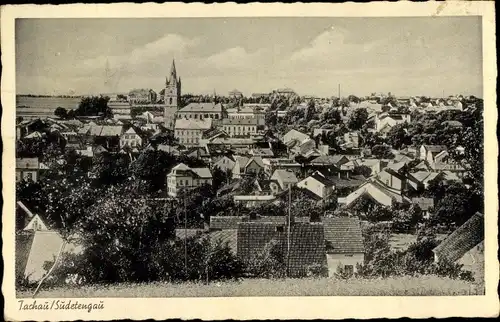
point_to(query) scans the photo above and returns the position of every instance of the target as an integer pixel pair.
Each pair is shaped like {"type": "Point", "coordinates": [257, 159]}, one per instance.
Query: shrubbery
{"type": "Point", "coordinates": [206, 261]}
{"type": "Point", "coordinates": [418, 259]}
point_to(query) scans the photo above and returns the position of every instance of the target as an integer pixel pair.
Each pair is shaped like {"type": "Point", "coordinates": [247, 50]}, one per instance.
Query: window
{"type": "Point", "coordinates": [28, 176]}
{"type": "Point", "coordinates": [280, 229]}
{"type": "Point", "coordinates": [216, 116]}
{"type": "Point", "coordinates": [196, 116]}
{"type": "Point", "coordinates": [180, 182]}
{"type": "Point", "coordinates": [170, 101]}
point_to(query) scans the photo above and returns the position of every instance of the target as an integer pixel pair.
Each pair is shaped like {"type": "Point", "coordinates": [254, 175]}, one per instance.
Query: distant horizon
{"type": "Point", "coordinates": [405, 56]}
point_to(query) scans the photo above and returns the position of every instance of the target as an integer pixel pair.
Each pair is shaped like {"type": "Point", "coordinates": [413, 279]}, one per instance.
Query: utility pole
{"type": "Point", "coordinates": [185, 236]}
{"type": "Point", "coordinates": [288, 232]}
{"type": "Point", "coordinates": [339, 91]}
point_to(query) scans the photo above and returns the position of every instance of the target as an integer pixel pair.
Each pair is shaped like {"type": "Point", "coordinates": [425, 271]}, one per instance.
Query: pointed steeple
{"type": "Point", "coordinates": [173, 72]}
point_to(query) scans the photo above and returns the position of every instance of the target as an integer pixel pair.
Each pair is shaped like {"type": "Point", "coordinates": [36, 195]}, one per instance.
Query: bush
{"type": "Point", "coordinates": [205, 261]}
{"type": "Point", "coordinates": [268, 263]}
{"type": "Point", "coordinates": [317, 270]}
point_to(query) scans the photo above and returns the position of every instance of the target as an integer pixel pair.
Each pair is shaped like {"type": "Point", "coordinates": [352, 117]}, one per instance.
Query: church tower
{"type": "Point", "coordinates": [171, 97]}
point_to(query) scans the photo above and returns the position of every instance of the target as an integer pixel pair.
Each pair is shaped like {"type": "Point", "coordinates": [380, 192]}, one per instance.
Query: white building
{"type": "Point", "coordinates": [385, 121]}
{"type": "Point", "coordinates": [183, 177]}
{"type": "Point", "coordinates": [240, 127]}
{"type": "Point", "coordinates": [190, 131]}
{"type": "Point", "coordinates": [130, 139]}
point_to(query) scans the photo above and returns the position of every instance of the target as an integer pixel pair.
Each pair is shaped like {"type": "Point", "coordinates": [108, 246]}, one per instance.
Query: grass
{"type": "Point", "coordinates": [400, 286]}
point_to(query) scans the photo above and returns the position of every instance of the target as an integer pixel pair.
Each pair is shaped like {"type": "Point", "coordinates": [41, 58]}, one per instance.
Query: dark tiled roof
{"type": "Point", "coordinates": [225, 222]}
{"type": "Point", "coordinates": [454, 247]}
{"type": "Point", "coordinates": [187, 233]}
{"type": "Point", "coordinates": [307, 244]}
{"type": "Point", "coordinates": [343, 235]}
{"type": "Point", "coordinates": [229, 236]}
{"type": "Point", "coordinates": [322, 179]}
{"type": "Point", "coordinates": [435, 148]}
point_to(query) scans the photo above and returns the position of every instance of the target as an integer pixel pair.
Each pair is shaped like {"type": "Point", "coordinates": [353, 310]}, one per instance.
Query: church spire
{"type": "Point", "coordinates": [173, 72]}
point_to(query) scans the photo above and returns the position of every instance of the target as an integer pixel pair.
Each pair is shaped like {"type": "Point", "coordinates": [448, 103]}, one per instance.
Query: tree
{"type": "Point", "coordinates": [331, 116]}
{"type": "Point", "coordinates": [357, 119]}
{"type": "Point", "coordinates": [406, 217]}
{"type": "Point", "coordinates": [61, 112]}
{"type": "Point", "coordinates": [94, 106]}
{"type": "Point", "coordinates": [271, 118]}
{"type": "Point", "coordinates": [354, 99]}
{"type": "Point", "coordinates": [310, 111]}
{"type": "Point", "coordinates": [398, 136]}
{"type": "Point", "coordinates": [382, 152]}
{"type": "Point", "coordinates": [363, 170]}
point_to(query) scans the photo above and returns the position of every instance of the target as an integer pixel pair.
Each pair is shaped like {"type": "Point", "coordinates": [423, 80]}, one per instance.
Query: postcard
{"type": "Point", "coordinates": [253, 161]}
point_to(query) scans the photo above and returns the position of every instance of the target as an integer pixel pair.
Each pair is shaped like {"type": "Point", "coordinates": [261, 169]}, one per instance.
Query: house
{"type": "Point", "coordinates": [376, 191]}
{"type": "Point", "coordinates": [461, 241]}
{"type": "Point", "coordinates": [272, 164]}
{"type": "Point", "coordinates": [385, 121]}
{"type": "Point", "coordinates": [351, 140]}
{"type": "Point", "coordinates": [305, 244]}
{"type": "Point", "coordinates": [240, 127]}
{"type": "Point", "coordinates": [294, 135]}
{"type": "Point", "coordinates": [225, 222]}
{"type": "Point", "coordinates": [262, 152]}
{"type": "Point", "coordinates": [317, 184]}
{"type": "Point", "coordinates": [420, 180]}
{"type": "Point", "coordinates": [266, 187]}
{"type": "Point", "coordinates": [130, 139]}
{"type": "Point", "coordinates": [27, 169]}
{"type": "Point", "coordinates": [392, 179]}
{"type": "Point", "coordinates": [247, 112]}
{"type": "Point", "coordinates": [344, 244]}
{"type": "Point", "coordinates": [244, 166]}
{"type": "Point", "coordinates": [375, 165]}
{"type": "Point", "coordinates": [285, 178]}
{"type": "Point", "coordinates": [182, 177]}
{"type": "Point", "coordinates": [235, 94]}
{"type": "Point", "coordinates": [425, 204]}
{"type": "Point", "coordinates": [428, 152]}
{"type": "Point", "coordinates": [189, 132]}
{"type": "Point", "coordinates": [251, 201]}
{"type": "Point", "coordinates": [225, 164]}
{"type": "Point", "coordinates": [443, 162]}
{"type": "Point", "coordinates": [37, 244]}
{"type": "Point", "coordinates": [201, 111]}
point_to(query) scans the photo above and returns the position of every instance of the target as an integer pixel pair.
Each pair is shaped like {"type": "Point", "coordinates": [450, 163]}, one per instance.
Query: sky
{"type": "Point", "coordinates": [405, 56]}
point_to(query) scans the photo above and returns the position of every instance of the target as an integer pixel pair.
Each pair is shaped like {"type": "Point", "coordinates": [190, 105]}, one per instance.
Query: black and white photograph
{"type": "Point", "coordinates": [259, 156]}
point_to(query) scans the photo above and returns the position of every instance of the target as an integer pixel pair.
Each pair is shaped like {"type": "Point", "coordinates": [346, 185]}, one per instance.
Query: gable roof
{"type": "Point", "coordinates": [202, 108]}
{"type": "Point", "coordinates": [226, 236]}
{"type": "Point", "coordinates": [463, 239]}
{"type": "Point", "coordinates": [435, 148]}
{"type": "Point", "coordinates": [257, 160]}
{"type": "Point", "coordinates": [225, 222]}
{"type": "Point", "coordinates": [285, 175]}
{"type": "Point", "coordinates": [193, 124]}
{"type": "Point", "coordinates": [321, 179]}
{"type": "Point", "coordinates": [336, 160]}
{"type": "Point", "coordinates": [307, 243]}
{"type": "Point", "coordinates": [202, 172]}
{"type": "Point", "coordinates": [294, 135]}
{"type": "Point", "coordinates": [343, 235]}
{"type": "Point", "coordinates": [37, 248]}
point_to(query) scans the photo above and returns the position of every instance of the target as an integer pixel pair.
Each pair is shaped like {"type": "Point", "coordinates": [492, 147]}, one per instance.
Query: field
{"type": "Point", "coordinates": [403, 286]}
{"type": "Point", "coordinates": [43, 106]}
